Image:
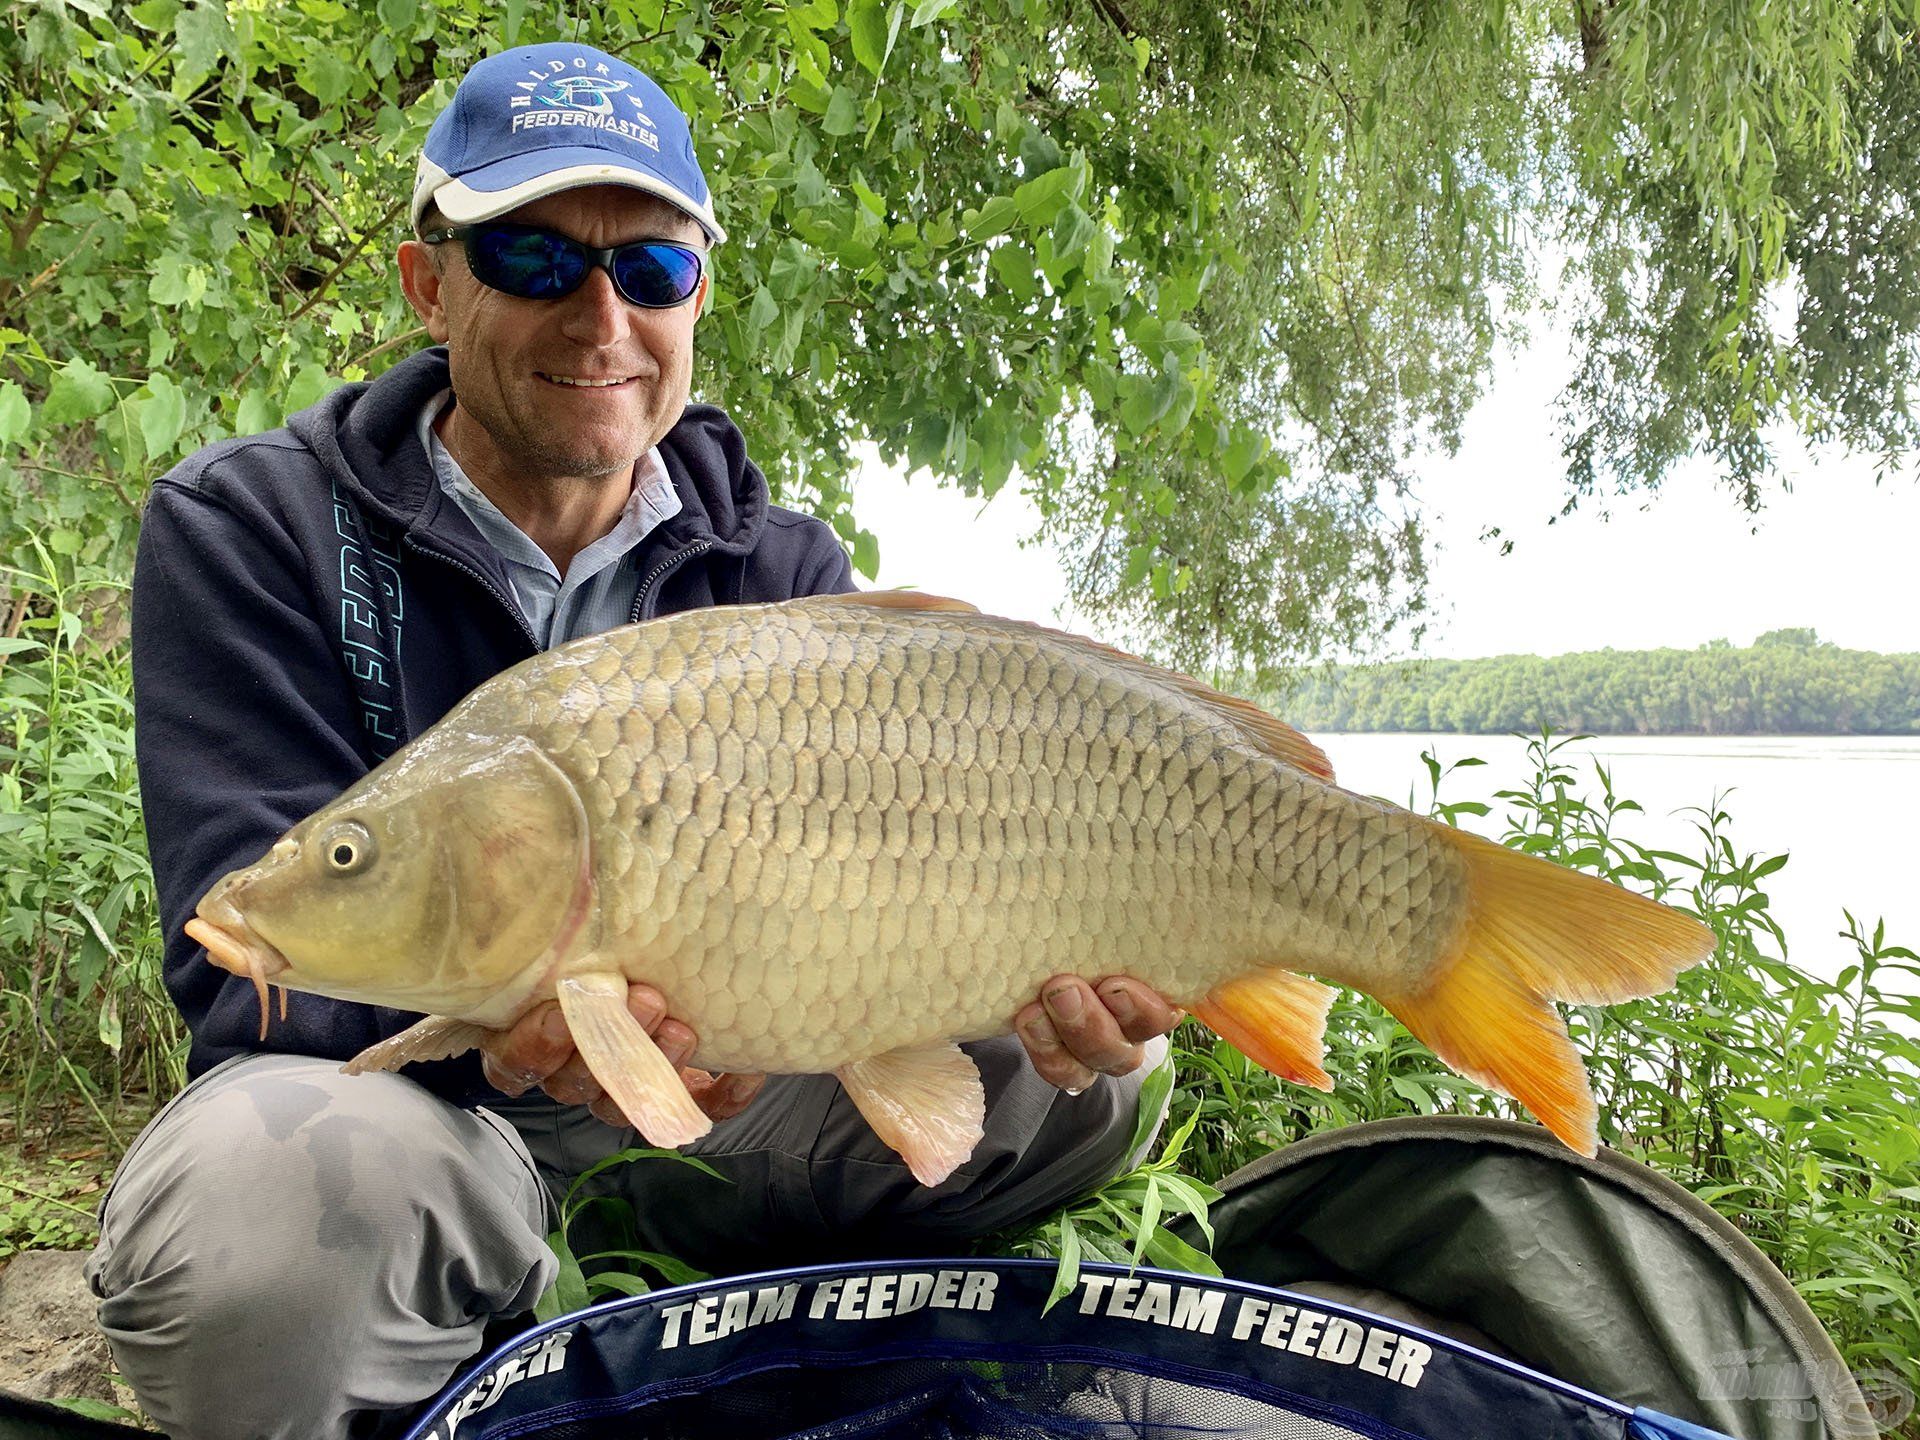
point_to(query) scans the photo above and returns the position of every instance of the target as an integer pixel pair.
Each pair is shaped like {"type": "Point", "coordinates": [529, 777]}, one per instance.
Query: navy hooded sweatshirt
{"type": "Point", "coordinates": [306, 600]}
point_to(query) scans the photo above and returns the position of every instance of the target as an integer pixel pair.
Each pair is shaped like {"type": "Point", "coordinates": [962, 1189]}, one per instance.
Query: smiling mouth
{"type": "Point", "coordinates": [586, 382]}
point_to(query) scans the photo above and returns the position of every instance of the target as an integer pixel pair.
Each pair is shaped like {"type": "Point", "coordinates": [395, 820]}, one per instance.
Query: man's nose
{"type": "Point", "coordinates": [595, 314]}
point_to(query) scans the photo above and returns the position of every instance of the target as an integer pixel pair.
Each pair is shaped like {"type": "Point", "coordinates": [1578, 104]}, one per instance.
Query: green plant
{"type": "Point", "coordinates": [79, 947]}
{"type": "Point", "coordinates": [574, 1288]}
{"type": "Point", "coordinates": [1121, 1222]}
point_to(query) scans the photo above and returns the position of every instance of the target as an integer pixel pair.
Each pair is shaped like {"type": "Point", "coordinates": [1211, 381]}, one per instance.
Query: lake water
{"type": "Point", "coordinates": [1843, 808]}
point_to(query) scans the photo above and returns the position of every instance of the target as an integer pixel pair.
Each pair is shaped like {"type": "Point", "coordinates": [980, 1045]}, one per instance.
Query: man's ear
{"type": "Point", "coordinates": [700, 295]}
{"type": "Point", "coordinates": [421, 282]}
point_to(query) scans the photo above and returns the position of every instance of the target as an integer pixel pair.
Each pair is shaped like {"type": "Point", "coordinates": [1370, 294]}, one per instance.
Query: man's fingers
{"type": "Point", "coordinates": [573, 1083]}
{"type": "Point", "coordinates": [1141, 1012]}
{"type": "Point", "coordinates": [538, 1050]}
{"type": "Point", "coordinates": [647, 1005]}
{"type": "Point", "coordinates": [722, 1096]}
{"type": "Point", "coordinates": [538, 1044]}
{"type": "Point", "coordinates": [676, 1042]}
{"type": "Point", "coordinates": [1087, 1028]}
{"type": "Point", "coordinates": [608, 1113]}
{"type": "Point", "coordinates": [1052, 1061]}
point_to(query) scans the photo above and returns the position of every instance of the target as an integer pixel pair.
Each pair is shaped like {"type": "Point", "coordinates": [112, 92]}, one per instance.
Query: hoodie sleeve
{"type": "Point", "coordinates": [243, 726]}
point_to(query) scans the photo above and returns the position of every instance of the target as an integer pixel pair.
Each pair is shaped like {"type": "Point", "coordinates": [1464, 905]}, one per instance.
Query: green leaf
{"type": "Point", "coordinates": [308, 386]}
{"type": "Point", "coordinates": [1152, 1102]}
{"type": "Point", "coordinates": [568, 1292]}
{"type": "Point", "coordinates": [256, 413]}
{"type": "Point", "coordinates": [93, 1409]}
{"type": "Point", "coordinates": [162, 416]}
{"type": "Point", "coordinates": [866, 554]}
{"type": "Point", "coordinates": [626, 1157]}
{"type": "Point", "coordinates": [1149, 1218]}
{"type": "Point", "coordinates": [867, 27]}
{"type": "Point", "coordinates": [398, 15]}
{"type": "Point", "coordinates": [1242, 454]}
{"type": "Point", "coordinates": [204, 36]}
{"type": "Point", "coordinates": [843, 112]}
{"type": "Point", "coordinates": [1040, 199]}
{"type": "Point", "coordinates": [1170, 1252]}
{"type": "Point", "coordinates": [762, 313]}
{"type": "Point", "coordinates": [1072, 233]}
{"type": "Point", "coordinates": [16, 414]}
{"type": "Point", "coordinates": [1143, 400]}
{"type": "Point", "coordinates": [330, 77]}
{"type": "Point", "coordinates": [996, 217]}
{"type": "Point", "coordinates": [112, 1033]}
{"type": "Point", "coordinates": [672, 1270]}
{"type": "Point", "coordinates": [928, 11]}
{"type": "Point", "coordinates": [79, 392]}
{"type": "Point", "coordinates": [616, 1281]}
{"type": "Point", "coordinates": [1066, 1274]}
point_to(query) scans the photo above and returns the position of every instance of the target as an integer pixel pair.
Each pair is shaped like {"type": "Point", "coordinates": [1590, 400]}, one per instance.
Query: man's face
{"type": "Point", "coordinates": [511, 358]}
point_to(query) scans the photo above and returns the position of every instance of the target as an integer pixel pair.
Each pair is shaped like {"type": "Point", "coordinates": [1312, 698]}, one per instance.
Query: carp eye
{"type": "Point", "coordinates": [347, 849]}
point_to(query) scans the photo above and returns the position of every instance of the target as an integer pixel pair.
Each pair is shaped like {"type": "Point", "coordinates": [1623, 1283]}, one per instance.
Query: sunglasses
{"type": "Point", "coordinates": [536, 264]}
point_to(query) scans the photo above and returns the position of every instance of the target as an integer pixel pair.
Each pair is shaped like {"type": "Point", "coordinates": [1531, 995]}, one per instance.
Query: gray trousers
{"type": "Point", "coordinates": [287, 1251]}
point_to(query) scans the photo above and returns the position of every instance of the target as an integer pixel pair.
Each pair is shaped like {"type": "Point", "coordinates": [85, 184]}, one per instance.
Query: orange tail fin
{"type": "Point", "coordinates": [1537, 932]}
{"type": "Point", "coordinates": [1276, 1018]}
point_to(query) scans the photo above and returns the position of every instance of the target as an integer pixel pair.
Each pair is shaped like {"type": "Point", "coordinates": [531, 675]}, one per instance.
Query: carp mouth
{"type": "Point", "coordinates": [235, 946]}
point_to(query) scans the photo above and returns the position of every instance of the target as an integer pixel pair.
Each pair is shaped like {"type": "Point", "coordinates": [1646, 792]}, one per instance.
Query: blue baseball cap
{"type": "Point", "coordinates": [544, 118]}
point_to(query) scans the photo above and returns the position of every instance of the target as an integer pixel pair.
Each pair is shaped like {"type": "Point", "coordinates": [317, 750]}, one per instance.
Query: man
{"type": "Point", "coordinates": [289, 1251]}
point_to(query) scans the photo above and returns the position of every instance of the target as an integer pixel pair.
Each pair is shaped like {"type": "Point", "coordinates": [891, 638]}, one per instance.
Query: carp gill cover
{"type": "Point", "coordinates": [845, 833]}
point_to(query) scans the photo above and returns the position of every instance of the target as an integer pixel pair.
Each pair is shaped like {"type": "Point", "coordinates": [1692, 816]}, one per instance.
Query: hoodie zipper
{"type": "Point", "coordinates": [652, 577]}
{"type": "Point", "coordinates": [672, 562]}
{"type": "Point", "coordinates": [506, 602]}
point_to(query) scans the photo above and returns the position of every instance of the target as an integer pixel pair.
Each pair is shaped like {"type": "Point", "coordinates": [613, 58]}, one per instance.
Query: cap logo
{"type": "Point", "coordinates": [559, 93]}
{"type": "Point", "coordinates": [580, 92]}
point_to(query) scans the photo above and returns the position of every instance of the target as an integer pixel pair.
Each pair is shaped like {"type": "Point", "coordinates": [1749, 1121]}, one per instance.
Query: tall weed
{"type": "Point", "coordinates": [79, 942]}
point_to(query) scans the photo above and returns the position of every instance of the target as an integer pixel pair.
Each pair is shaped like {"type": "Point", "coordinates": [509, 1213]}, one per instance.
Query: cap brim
{"type": "Point", "coordinates": [493, 190]}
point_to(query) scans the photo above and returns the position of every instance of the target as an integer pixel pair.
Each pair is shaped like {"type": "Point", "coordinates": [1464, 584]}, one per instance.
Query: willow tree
{"type": "Point", "coordinates": [1204, 283]}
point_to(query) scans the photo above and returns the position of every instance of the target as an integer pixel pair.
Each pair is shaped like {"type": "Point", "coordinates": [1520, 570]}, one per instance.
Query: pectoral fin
{"type": "Point", "coordinates": [626, 1062]}
{"type": "Point", "coordinates": [927, 1103]}
{"type": "Point", "coordinates": [434, 1038]}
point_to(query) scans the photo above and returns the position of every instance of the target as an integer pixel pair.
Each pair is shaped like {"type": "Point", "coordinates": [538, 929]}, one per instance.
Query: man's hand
{"type": "Point", "coordinates": [1076, 1030]}
{"type": "Point", "coordinates": [538, 1050]}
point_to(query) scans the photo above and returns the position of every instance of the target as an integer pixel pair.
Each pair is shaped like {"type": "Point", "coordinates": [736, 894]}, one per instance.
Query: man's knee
{"type": "Point", "coordinates": [281, 1161]}
{"type": "Point", "coordinates": [280, 1215]}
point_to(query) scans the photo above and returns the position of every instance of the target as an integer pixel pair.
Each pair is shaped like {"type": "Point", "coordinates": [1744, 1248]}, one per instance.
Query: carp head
{"type": "Point", "coordinates": [435, 883]}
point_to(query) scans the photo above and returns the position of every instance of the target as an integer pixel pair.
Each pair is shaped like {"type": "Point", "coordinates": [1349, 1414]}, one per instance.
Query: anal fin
{"type": "Point", "coordinates": [1277, 1019]}
{"type": "Point", "coordinates": [926, 1103]}
{"type": "Point", "coordinates": [626, 1062]}
{"type": "Point", "coordinates": [434, 1038]}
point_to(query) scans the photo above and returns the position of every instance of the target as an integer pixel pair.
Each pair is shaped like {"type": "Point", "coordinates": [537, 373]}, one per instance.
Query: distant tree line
{"type": "Point", "coordinates": [1786, 682]}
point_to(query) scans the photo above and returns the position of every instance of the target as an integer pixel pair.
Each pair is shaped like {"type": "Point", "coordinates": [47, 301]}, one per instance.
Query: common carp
{"type": "Point", "coordinates": [845, 833]}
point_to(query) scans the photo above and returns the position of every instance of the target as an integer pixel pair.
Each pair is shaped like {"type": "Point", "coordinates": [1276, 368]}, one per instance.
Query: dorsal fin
{"type": "Point", "coordinates": [1263, 731]}
{"type": "Point", "coordinates": [891, 600]}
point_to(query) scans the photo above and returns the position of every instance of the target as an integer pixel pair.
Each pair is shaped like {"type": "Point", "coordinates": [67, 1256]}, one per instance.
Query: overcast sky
{"type": "Point", "coordinates": [1678, 568]}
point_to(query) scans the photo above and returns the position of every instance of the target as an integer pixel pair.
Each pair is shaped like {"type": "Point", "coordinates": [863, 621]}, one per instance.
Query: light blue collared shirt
{"type": "Point", "coordinates": [598, 590]}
